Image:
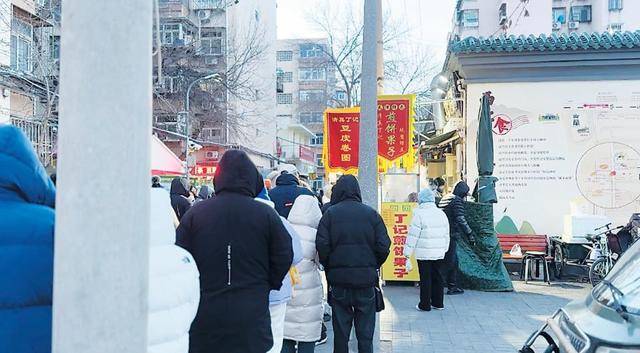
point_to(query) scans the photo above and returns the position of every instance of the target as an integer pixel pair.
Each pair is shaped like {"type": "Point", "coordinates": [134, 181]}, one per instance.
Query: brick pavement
{"type": "Point", "coordinates": [477, 322]}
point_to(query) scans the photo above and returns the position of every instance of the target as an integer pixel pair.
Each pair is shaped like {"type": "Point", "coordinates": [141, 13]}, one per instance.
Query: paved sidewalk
{"type": "Point", "coordinates": [474, 322]}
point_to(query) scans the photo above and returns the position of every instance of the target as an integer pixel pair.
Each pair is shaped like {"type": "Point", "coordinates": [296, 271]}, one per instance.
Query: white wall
{"type": "Point", "coordinates": [544, 203]}
{"type": "Point", "coordinates": [260, 130]}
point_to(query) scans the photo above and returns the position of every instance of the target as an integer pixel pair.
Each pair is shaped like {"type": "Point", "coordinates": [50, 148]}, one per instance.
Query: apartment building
{"type": "Point", "coordinates": [236, 109]}
{"type": "Point", "coordinates": [306, 87]}
{"type": "Point", "coordinates": [523, 17]}
{"type": "Point", "coordinates": [29, 70]}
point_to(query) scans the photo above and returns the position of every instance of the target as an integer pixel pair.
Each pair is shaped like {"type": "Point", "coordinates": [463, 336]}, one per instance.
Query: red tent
{"type": "Point", "coordinates": [163, 161]}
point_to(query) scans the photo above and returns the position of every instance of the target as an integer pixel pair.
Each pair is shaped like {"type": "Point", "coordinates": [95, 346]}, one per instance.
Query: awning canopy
{"type": "Point", "coordinates": [163, 161]}
{"type": "Point", "coordinates": [442, 139]}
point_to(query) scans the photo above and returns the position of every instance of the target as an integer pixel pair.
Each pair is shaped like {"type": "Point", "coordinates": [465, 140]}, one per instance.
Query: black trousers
{"type": "Point", "coordinates": [431, 284]}
{"type": "Point", "coordinates": [353, 306]}
{"type": "Point", "coordinates": [450, 271]}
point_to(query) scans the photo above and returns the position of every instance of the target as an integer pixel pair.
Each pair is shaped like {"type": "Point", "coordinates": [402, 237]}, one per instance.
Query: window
{"type": "Point", "coordinates": [559, 15]}
{"type": "Point", "coordinates": [311, 117]}
{"type": "Point", "coordinates": [284, 55]}
{"type": "Point", "coordinates": [470, 18]}
{"type": "Point", "coordinates": [341, 95]}
{"type": "Point", "coordinates": [55, 47]}
{"type": "Point", "coordinates": [312, 95]}
{"type": "Point", "coordinates": [318, 140]}
{"type": "Point", "coordinates": [21, 45]}
{"type": "Point", "coordinates": [172, 34]}
{"type": "Point", "coordinates": [312, 74]}
{"type": "Point", "coordinates": [212, 42]}
{"type": "Point", "coordinates": [311, 50]}
{"type": "Point", "coordinates": [172, 84]}
{"type": "Point", "coordinates": [285, 76]}
{"type": "Point", "coordinates": [615, 5]}
{"type": "Point", "coordinates": [209, 132]}
{"type": "Point", "coordinates": [581, 13]}
{"type": "Point", "coordinates": [285, 98]}
{"type": "Point", "coordinates": [207, 4]}
{"type": "Point", "coordinates": [319, 161]}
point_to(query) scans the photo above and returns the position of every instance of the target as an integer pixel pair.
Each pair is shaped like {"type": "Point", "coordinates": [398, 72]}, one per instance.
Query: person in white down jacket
{"type": "Point", "coordinates": [429, 239]}
{"type": "Point", "coordinates": [174, 282]}
{"type": "Point", "coordinates": [303, 318]}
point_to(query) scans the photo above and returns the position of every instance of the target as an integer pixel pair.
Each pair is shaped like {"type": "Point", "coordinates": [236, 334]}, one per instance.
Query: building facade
{"type": "Point", "coordinates": [234, 109]}
{"type": "Point", "coordinates": [306, 87]}
{"type": "Point", "coordinates": [29, 70]}
{"type": "Point", "coordinates": [484, 18]}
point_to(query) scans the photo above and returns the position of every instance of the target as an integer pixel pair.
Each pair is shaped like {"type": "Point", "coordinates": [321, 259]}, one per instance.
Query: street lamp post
{"type": "Point", "coordinates": [186, 116]}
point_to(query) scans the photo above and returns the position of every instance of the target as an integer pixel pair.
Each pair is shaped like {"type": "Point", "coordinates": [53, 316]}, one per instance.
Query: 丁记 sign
{"type": "Point", "coordinates": [397, 218]}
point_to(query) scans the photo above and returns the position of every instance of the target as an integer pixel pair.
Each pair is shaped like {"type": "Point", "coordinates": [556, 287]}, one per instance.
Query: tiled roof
{"type": "Point", "coordinates": [553, 42]}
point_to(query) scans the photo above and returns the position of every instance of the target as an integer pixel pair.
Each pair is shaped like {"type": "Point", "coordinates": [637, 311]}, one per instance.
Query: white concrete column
{"type": "Point", "coordinates": [101, 239]}
{"type": "Point", "coordinates": [368, 154]}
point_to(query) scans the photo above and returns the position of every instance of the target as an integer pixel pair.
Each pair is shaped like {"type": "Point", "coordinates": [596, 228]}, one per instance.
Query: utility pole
{"type": "Point", "coordinates": [371, 87]}
{"type": "Point", "coordinates": [101, 270]}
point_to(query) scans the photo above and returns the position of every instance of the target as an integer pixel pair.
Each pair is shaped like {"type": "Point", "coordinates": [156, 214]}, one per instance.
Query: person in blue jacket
{"type": "Point", "coordinates": [27, 201]}
{"type": "Point", "coordinates": [286, 191]}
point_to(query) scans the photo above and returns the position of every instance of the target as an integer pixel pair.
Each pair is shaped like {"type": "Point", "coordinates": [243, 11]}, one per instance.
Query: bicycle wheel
{"type": "Point", "coordinates": [558, 261]}
{"type": "Point", "coordinates": [598, 271]}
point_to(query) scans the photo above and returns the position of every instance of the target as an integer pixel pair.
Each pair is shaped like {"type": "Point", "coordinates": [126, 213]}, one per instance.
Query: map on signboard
{"type": "Point", "coordinates": [608, 175]}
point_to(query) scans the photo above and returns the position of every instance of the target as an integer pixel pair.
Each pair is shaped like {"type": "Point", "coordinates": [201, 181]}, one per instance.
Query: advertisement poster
{"type": "Point", "coordinates": [341, 140]}
{"type": "Point", "coordinates": [397, 218]}
{"type": "Point", "coordinates": [561, 149]}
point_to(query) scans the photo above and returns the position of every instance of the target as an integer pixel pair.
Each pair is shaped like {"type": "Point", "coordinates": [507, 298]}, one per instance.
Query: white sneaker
{"type": "Point", "coordinates": [437, 308]}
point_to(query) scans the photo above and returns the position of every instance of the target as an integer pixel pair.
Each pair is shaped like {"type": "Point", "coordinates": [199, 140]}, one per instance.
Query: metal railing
{"type": "Point", "coordinates": [43, 136]}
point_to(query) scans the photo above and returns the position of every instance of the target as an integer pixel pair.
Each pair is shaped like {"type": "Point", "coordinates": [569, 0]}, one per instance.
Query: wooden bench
{"type": "Point", "coordinates": [534, 249]}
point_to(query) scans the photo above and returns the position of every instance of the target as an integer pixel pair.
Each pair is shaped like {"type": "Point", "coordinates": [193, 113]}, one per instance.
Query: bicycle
{"type": "Point", "coordinates": [603, 258]}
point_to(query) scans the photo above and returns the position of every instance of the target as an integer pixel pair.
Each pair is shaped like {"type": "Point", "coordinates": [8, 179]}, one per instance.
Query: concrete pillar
{"type": "Point", "coordinates": [102, 208]}
{"type": "Point", "coordinates": [368, 156]}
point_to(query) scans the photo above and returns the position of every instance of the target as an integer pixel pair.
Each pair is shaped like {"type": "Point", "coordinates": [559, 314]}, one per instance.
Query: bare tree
{"type": "Point", "coordinates": [410, 70]}
{"type": "Point", "coordinates": [343, 29]}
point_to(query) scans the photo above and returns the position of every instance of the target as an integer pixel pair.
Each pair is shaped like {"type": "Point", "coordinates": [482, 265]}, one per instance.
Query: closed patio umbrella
{"type": "Point", "coordinates": [484, 148]}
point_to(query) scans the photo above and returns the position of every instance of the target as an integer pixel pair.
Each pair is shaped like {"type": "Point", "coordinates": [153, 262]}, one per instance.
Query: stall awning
{"type": "Point", "coordinates": [442, 139]}
{"type": "Point", "coordinates": [163, 161]}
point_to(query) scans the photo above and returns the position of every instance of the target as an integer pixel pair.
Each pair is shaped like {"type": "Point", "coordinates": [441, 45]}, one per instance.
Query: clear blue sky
{"type": "Point", "coordinates": [429, 21]}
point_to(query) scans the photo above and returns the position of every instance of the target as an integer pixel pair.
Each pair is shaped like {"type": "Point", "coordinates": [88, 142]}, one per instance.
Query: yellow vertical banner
{"type": "Point", "coordinates": [397, 218]}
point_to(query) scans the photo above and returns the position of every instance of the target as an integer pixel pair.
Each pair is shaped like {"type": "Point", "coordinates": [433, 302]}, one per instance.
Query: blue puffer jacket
{"type": "Point", "coordinates": [27, 216]}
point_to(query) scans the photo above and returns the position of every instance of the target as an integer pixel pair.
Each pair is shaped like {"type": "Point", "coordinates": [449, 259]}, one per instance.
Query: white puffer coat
{"type": "Point", "coordinates": [174, 283]}
{"type": "Point", "coordinates": [428, 233]}
{"type": "Point", "coordinates": [303, 319]}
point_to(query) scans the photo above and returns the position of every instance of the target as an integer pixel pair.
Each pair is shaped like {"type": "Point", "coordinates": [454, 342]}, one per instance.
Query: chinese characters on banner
{"type": "Point", "coordinates": [395, 136]}
{"type": "Point", "coordinates": [397, 218]}
{"type": "Point", "coordinates": [342, 138]}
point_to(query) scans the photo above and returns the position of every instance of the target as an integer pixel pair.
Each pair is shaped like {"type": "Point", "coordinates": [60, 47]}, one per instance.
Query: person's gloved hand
{"type": "Point", "coordinates": [409, 266]}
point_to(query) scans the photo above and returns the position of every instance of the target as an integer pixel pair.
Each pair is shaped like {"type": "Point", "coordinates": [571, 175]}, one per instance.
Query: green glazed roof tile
{"type": "Point", "coordinates": [553, 42]}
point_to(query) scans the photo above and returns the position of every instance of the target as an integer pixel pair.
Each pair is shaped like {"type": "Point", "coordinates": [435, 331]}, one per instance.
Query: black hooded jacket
{"type": "Point", "coordinates": [242, 250]}
{"type": "Point", "coordinates": [453, 207]}
{"type": "Point", "coordinates": [352, 240]}
{"type": "Point", "coordinates": [285, 193]}
{"type": "Point", "coordinates": [180, 196]}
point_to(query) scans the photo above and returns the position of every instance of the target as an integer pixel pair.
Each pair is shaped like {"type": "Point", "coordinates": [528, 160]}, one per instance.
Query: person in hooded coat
{"type": "Point", "coordinates": [278, 299]}
{"type": "Point", "coordinates": [27, 201]}
{"type": "Point", "coordinates": [205, 193]}
{"type": "Point", "coordinates": [428, 238]}
{"type": "Point", "coordinates": [303, 320]}
{"type": "Point", "coordinates": [453, 206]}
{"type": "Point", "coordinates": [285, 193]}
{"type": "Point", "coordinates": [180, 193]}
{"type": "Point", "coordinates": [174, 285]}
{"type": "Point", "coordinates": [352, 244]}
{"type": "Point", "coordinates": [243, 251]}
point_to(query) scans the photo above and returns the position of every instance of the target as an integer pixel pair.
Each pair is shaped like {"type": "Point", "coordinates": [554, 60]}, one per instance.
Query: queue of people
{"type": "Point", "coordinates": [241, 271]}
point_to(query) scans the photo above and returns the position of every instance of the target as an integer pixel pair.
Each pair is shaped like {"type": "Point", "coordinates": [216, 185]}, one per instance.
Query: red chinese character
{"type": "Point", "coordinates": [398, 250]}
{"type": "Point", "coordinates": [400, 261]}
{"type": "Point", "coordinates": [400, 272]}
{"type": "Point", "coordinates": [400, 229]}
{"type": "Point", "coordinates": [399, 240]}
{"type": "Point", "coordinates": [399, 217]}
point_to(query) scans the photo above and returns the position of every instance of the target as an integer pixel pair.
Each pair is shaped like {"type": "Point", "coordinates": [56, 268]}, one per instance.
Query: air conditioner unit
{"type": "Point", "coordinates": [557, 26]}
{"type": "Point", "coordinates": [203, 14]}
{"type": "Point", "coordinates": [574, 25]}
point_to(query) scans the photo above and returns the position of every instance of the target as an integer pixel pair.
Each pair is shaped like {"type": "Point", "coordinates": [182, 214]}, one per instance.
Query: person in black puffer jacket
{"type": "Point", "coordinates": [453, 206]}
{"type": "Point", "coordinates": [180, 196]}
{"type": "Point", "coordinates": [243, 251]}
{"type": "Point", "coordinates": [352, 244]}
{"type": "Point", "coordinates": [285, 193]}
